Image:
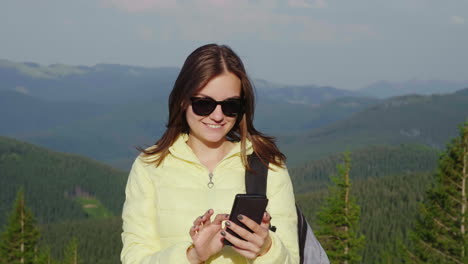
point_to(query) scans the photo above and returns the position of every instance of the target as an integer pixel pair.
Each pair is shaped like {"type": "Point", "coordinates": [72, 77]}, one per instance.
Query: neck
{"type": "Point", "coordinates": [209, 154]}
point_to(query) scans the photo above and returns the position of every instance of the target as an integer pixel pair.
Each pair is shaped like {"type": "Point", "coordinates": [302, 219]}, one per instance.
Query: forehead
{"type": "Point", "coordinates": [222, 86]}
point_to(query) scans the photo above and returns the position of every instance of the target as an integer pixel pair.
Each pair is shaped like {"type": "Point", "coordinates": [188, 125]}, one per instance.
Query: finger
{"type": "Point", "coordinates": [244, 233]}
{"type": "Point", "coordinates": [206, 218]}
{"type": "Point", "coordinates": [265, 221]}
{"type": "Point", "coordinates": [241, 244]}
{"type": "Point", "coordinates": [220, 218]}
{"type": "Point", "coordinates": [256, 228]}
{"type": "Point", "coordinates": [193, 231]}
{"type": "Point", "coordinates": [198, 221]}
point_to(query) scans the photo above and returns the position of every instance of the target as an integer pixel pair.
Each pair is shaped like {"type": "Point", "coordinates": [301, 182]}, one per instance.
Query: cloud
{"type": "Point", "coordinates": [228, 20]}
{"type": "Point", "coordinates": [304, 4]}
{"type": "Point", "coordinates": [457, 20]}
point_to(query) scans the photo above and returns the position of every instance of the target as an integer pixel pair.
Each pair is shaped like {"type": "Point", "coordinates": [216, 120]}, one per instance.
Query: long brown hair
{"type": "Point", "coordinates": [202, 65]}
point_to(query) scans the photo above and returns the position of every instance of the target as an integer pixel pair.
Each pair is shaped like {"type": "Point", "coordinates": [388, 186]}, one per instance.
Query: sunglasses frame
{"type": "Point", "coordinates": [222, 103]}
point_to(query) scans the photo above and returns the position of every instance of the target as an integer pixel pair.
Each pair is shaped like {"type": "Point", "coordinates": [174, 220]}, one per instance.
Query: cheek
{"type": "Point", "coordinates": [191, 118]}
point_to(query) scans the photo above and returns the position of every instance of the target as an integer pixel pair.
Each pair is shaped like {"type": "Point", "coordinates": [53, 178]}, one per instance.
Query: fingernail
{"type": "Point", "coordinates": [227, 215]}
{"type": "Point", "coordinates": [193, 227]}
{"type": "Point", "coordinates": [228, 223]}
{"type": "Point", "coordinates": [208, 211]}
{"type": "Point", "coordinates": [240, 217]}
{"type": "Point", "coordinates": [201, 217]}
{"type": "Point", "coordinates": [223, 233]}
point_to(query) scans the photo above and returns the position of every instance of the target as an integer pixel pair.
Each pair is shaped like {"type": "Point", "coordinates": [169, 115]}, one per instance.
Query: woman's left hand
{"type": "Point", "coordinates": [257, 243]}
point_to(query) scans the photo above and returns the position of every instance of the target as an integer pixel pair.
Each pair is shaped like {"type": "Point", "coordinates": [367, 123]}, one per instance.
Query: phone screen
{"type": "Point", "coordinates": [251, 205]}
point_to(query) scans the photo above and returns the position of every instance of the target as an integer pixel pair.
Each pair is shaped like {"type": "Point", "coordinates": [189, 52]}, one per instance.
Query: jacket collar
{"type": "Point", "coordinates": [181, 150]}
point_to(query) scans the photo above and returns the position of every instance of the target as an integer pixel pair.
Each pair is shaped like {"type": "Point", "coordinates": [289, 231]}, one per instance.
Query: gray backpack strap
{"type": "Point", "coordinates": [310, 250]}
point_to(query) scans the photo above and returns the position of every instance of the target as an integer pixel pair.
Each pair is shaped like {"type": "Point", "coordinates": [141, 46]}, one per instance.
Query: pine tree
{"type": "Point", "coordinates": [338, 220]}
{"type": "Point", "coordinates": [71, 252]}
{"type": "Point", "coordinates": [18, 243]}
{"type": "Point", "coordinates": [440, 234]}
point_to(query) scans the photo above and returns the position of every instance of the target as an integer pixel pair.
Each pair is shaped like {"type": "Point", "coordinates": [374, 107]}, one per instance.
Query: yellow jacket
{"type": "Point", "coordinates": [162, 203]}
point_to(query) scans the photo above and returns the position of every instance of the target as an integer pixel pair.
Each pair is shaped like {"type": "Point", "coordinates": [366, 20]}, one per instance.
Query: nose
{"type": "Point", "coordinates": [217, 115]}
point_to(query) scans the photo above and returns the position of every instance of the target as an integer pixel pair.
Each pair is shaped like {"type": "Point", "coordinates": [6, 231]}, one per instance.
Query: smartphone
{"type": "Point", "coordinates": [251, 205]}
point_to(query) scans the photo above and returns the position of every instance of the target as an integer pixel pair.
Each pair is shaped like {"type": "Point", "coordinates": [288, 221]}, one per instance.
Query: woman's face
{"type": "Point", "coordinates": [211, 130]}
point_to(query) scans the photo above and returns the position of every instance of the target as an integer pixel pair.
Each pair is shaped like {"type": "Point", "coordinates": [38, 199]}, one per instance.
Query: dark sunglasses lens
{"type": "Point", "coordinates": [203, 106]}
{"type": "Point", "coordinates": [231, 107]}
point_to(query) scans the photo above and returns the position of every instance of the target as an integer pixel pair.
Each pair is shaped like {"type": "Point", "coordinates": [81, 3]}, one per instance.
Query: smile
{"type": "Point", "coordinates": [213, 125]}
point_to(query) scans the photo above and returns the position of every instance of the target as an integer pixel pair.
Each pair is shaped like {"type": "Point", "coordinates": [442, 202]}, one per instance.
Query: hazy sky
{"type": "Point", "coordinates": [343, 43]}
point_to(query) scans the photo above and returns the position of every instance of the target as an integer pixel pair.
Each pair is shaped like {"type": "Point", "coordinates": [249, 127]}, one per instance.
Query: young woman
{"type": "Point", "coordinates": [181, 190]}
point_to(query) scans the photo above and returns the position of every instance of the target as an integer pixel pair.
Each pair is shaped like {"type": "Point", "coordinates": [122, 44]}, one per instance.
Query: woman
{"type": "Point", "coordinates": [180, 190]}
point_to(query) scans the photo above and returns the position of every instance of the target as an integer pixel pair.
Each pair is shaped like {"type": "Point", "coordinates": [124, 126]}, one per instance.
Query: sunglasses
{"type": "Point", "coordinates": [204, 106]}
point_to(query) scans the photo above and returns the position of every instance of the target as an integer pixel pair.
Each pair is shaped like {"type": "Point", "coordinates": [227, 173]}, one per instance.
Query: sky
{"type": "Point", "coordinates": [347, 44]}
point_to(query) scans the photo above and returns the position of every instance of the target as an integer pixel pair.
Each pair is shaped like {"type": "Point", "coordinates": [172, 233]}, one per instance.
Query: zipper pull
{"type": "Point", "coordinates": [210, 183]}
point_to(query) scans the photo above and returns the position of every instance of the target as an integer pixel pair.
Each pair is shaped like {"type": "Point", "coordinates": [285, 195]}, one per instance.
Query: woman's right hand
{"type": "Point", "coordinates": [206, 237]}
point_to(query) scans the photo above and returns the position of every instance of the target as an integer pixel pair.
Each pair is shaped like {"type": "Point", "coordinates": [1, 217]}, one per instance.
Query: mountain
{"type": "Point", "coordinates": [116, 84]}
{"type": "Point", "coordinates": [110, 133]}
{"type": "Point", "coordinates": [385, 89]}
{"type": "Point", "coordinates": [429, 120]}
{"type": "Point", "coordinates": [102, 83]}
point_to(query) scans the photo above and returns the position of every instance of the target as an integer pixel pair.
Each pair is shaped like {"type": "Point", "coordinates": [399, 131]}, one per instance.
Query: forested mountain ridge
{"type": "Point", "coordinates": [429, 120]}
{"type": "Point", "coordinates": [53, 181]}
{"type": "Point", "coordinates": [388, 209]}
{"type": "Point", "coordinates": [370, 162]}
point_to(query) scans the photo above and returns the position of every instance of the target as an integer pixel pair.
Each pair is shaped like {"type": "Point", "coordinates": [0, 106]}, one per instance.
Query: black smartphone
{"type": "Point", "coordinates": [251, 205]}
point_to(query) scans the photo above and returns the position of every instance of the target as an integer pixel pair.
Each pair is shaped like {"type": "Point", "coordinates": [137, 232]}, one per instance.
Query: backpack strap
{"type": "Point", "coordinates": [256, 177]}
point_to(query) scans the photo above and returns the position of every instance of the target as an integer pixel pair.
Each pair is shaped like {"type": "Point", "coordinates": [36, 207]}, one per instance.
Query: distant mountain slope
{"type": "Point", "coordinates": [52, 181]}
{"type": "Point", "coordinates": [306, 94]}
{"type": "Point", "coordinates": [23, 113]}
{"type": "Point", "coordinates": [430, 120]}
{"type": "Point", "coordinates": [385, 89]}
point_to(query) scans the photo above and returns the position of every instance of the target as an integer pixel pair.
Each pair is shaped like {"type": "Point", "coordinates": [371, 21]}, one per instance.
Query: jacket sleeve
{"type": "Point", "coordinates": [140, 235]}
{"type": "Point", "coordinates": [281, 206]}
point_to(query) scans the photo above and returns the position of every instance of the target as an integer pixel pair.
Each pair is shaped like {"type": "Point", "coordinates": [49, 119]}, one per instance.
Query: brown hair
{"type": "Point", "coordinates": [202, 65]}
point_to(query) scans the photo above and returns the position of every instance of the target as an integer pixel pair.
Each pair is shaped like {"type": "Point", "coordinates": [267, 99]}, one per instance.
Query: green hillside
{"type": "Point", "coordinates": [56, 183]}
{"type": "Point", "coordinates": [430, 120]}
{"type": "Point", "coordinates": [369, 162]}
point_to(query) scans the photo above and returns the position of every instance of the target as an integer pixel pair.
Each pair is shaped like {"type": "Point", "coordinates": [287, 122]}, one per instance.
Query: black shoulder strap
{"type": "Point", "coordinates": [256, 177]}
